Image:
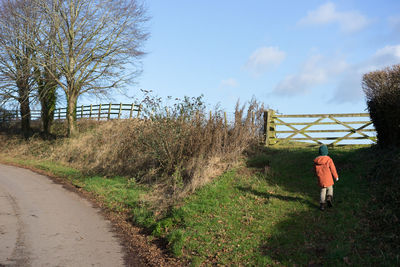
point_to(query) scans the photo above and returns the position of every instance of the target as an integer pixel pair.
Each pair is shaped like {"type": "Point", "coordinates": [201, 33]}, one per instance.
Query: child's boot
{"type": "Point", "coordinates": [322, 206]}
{"type": "Point", "coordinates": [329, 200]}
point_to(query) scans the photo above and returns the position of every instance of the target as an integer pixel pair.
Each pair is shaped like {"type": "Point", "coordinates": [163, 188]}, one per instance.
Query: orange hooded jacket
{"type": "Point", "coordinates": [325, 169]}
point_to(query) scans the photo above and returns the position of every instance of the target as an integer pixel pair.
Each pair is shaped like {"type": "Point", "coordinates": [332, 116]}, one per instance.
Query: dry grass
{"type": "Point", "coordinates": [175, 151]}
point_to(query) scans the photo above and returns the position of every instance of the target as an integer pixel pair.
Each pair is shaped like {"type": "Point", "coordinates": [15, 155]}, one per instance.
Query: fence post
{"type": "Point", "coordinates": [139, 110]}
{"type": "Point", "coordinates": [81, 111]}
{"type": "Point", "coordinates": [130, 113]}
{"type": "Point", "coordinates": [109, 111]}
{"type": "Point", "coordinates": [269, 126]}
{"type": "Point", "coordinates": [266, 126]}
{"type": "Point", "coordinates": [90, 112]}
{"type": "Point", "coordinates": [98, 117]}
{"type": "Point", "coordinates": [120, 110]}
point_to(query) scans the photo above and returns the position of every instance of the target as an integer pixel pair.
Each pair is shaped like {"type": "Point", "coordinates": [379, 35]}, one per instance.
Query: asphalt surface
{"type": "Point", "coordinates": [43, 224]}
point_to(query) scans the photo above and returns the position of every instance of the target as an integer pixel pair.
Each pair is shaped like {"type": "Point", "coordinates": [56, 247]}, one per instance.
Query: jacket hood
{"type": "Point", "coordinates": [321, 160]}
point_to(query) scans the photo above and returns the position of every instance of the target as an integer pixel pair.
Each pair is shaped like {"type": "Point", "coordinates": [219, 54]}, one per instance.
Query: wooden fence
{"type": "Point", "coordinates": [304, 128]}
{"type": "Point", "coordinates": [99, 112]}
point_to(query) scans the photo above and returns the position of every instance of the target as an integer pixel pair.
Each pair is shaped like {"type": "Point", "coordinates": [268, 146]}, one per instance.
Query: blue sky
{"type": "Point", "coordinates": [294, 56]}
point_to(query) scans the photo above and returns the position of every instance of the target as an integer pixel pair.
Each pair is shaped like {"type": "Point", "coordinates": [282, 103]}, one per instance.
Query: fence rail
{"type": "Point", "coordinates": [99, 112]}
{"type": "Point", "coordinates": [277, 124]}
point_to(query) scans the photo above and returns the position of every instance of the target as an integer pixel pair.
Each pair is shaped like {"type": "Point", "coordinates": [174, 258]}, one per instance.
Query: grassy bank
{"type": "Point", "coordinates": [265, 211]}
{"type": "Point", "coordinates": [267, 214]}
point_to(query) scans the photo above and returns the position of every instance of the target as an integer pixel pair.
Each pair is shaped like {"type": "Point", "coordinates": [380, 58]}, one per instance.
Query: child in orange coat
{"type": "Point", "coordinates": [325, 171]}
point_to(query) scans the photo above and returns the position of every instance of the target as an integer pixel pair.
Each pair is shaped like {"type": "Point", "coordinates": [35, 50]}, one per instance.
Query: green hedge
{"type": "Point", "coordinates": [382, 90]}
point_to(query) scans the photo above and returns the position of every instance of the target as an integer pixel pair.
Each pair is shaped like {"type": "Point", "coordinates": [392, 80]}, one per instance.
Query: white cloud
{"type": "Point", "coordinates": [319, 70]}
{"type": "Point", "coordinates": [349, 22]}
{"type": "Point", "coordinates": [322, 15]}
{"type": "Point", "coordinates": [383, 57]}
{"type": "Point", "coordinates": [388, 52]}
{"type": "Point", "coordinates": [231, 82]}
{"type": "Point", "coordinates": [264, 58]}
{"type": "Point", "coordinates": [349, 88]}
{"type": "Point", "coordinates": [315, 71]}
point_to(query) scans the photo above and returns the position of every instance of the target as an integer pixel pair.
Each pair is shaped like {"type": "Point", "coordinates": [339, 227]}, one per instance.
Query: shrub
{"type": "Point", "coordinates": [176, 148]}
{"type": "Point", "coordinates": [382, 90]}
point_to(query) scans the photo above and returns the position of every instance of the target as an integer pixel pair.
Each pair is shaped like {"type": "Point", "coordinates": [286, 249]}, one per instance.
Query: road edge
{"type": "Point", "coordinates": [138, 250]}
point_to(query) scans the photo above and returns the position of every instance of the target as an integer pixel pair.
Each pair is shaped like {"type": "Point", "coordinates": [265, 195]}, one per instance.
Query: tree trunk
{"type": "Point", "coordinates": [46, 87]}
{"type": "Point", "coordinates": [48, 103]}
{"type": "Point", "coordinates": [25, 112]}
{"type": "Point", "coordinates": [71, 115]}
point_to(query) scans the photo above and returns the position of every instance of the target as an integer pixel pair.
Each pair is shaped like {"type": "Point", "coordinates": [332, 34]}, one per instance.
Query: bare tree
{"type": "Point", "coordinates": [46, 72]}
{"type": "Point", "coordinates": [16, 66]}
{"type": "Point", "coordinates": [97, 44]}
{"type": "Point", "coordinates": [47, 95]}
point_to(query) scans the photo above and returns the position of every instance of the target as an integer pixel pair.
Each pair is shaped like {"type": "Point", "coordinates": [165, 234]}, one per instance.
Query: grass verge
{"type": "Point", "coordinates": [267, 213]}
{"type": "Point", "coordinates": [117, 193]}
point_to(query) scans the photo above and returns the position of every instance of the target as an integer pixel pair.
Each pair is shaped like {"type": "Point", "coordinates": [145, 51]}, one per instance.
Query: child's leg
{"type": "Point", "coordinates": [330, 191]}
{"type": "Point", "coordinates": [323, 195]}
{"type": "Point", "coordinates": [329, 196]}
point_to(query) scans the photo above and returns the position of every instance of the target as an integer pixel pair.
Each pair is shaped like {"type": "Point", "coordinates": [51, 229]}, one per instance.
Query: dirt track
{"type": "Point", "coordinates": [42, 224]}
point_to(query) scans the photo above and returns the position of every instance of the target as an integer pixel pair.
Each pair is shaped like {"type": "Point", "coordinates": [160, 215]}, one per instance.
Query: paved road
{"type": "Point", "coordinates": [43, 224]}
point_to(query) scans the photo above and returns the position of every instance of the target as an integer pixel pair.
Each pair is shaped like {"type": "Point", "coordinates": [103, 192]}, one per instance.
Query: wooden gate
{"type": "Point", "coordinates": [276, 125]}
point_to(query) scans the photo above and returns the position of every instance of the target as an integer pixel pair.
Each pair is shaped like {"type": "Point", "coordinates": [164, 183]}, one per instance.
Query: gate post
{"type": "Point", "coordinates": [269, 127]}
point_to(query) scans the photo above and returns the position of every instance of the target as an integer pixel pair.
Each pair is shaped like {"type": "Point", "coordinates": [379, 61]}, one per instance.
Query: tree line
{"type": "Point", "coordinates": [67, 48]}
